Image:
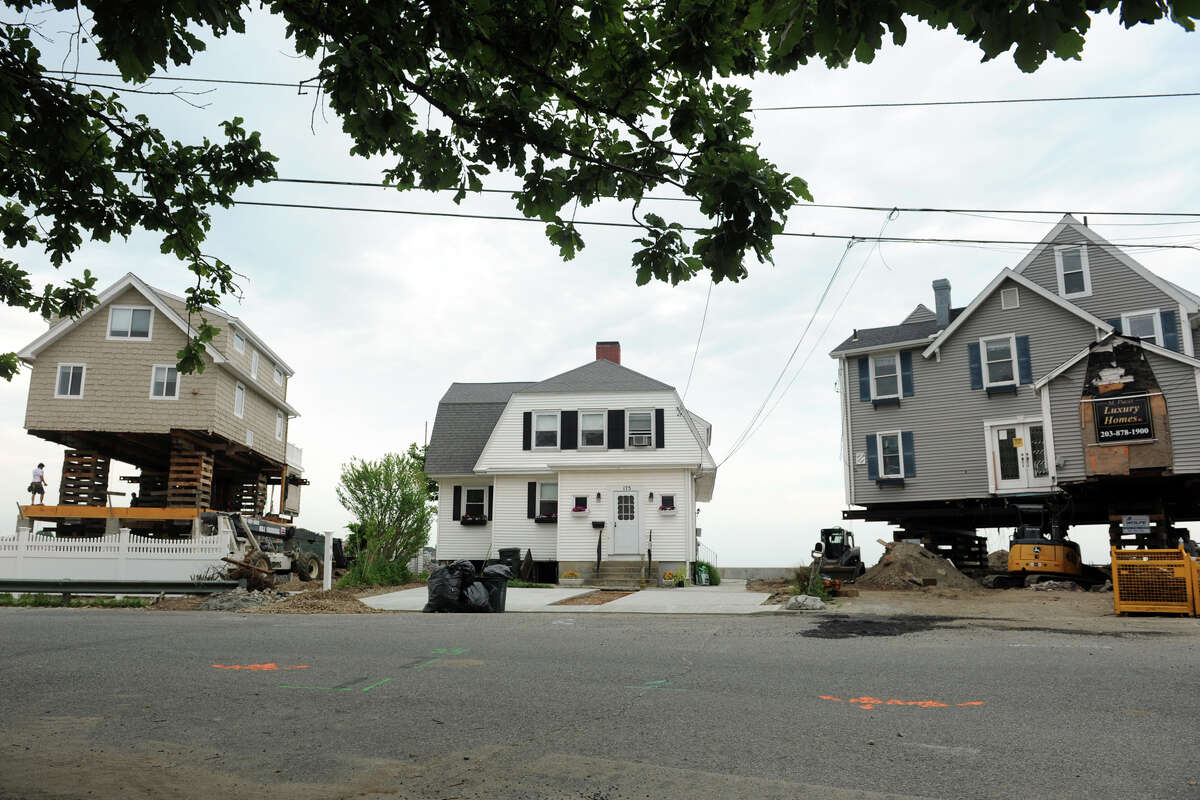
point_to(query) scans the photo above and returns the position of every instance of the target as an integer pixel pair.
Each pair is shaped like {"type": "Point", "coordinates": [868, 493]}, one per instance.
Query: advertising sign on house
{"type": "Point", "coordinates": [1123, 419]}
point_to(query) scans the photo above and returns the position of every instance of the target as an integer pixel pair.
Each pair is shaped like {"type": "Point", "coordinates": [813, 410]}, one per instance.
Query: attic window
{"type": "Point", "coordinates": [128, 322]}
{"type": "Point", "coordinates": [1074, 278]}
{"type": "Point", "coordinates": [239, 342]}
{"type": "Point", "coordinates": [1010, 298]}
{"type": "Point", "coordinates": [1145, 325]}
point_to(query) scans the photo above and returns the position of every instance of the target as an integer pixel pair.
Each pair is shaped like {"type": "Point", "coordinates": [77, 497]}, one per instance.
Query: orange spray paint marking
{"type": "Point", "coordinates": [268, 667]}
{"type": "Point", "coordinates": [972, 703]}
{"type": "Point", "coordinates": [867, 703]}
{"type": "Point", "coordinates": [829, 697]}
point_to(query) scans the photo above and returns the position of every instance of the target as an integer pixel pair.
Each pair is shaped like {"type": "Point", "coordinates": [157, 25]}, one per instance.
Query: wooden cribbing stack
{"type": "Point", "coordinates": [189, 481]}
{"type": "Point", "coordinates": [84, 479]}
{"type": "Point", "coordinates": [251, 496]}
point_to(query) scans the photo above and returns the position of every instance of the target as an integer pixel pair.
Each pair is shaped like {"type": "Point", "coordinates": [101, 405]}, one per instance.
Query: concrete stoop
{"type": "Point", "coordinates": [624, 575]}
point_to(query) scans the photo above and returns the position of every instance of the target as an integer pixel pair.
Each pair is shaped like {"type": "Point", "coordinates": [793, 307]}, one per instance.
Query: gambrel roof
{"type": "Point", "coordinates": [600, 375]}
{"type": "Point", "coordinates": [466, 415]}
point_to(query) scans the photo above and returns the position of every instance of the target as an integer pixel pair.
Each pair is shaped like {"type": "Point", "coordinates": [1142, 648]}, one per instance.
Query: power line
{"type": "Point", "coordinates": [299, 85]}
{"type": "Point", "coordinates": [703, 318]}
{"type": "Point", "coordinates": [599, 223]}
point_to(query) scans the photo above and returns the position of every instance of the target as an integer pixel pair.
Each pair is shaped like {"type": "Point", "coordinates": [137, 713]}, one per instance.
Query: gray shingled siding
{"type": "Point", "coordinates": [946, 416]}
{"type": "Point", "coordinates": [1116, 289]}
{"type": "Point", "coordinates": [1178, 384]}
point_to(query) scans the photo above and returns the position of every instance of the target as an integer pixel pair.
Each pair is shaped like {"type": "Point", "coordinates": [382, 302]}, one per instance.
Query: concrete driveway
{"type": "Point", "coordinates": [730, 597]}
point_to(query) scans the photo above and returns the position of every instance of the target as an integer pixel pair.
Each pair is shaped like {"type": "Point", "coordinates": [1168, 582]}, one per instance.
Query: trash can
{"type": "Point", "coordinates": [511, 556]}
{"type": "Point", "coordinates": [495, 578]}
{"type": "Point", "coordinates": [702, 575]}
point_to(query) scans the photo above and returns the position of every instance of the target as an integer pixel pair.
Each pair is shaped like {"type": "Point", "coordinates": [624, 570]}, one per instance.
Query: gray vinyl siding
{"type": "Point", "coordinates": [1116, 289]}
{"type": "Point", "coordinates": [1178, 384]}
{"type": "Point", "coordinates": [946, 416]}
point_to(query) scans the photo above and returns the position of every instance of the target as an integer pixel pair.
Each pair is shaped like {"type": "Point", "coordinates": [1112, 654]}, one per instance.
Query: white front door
{"type": "Point", "coordinates": [1018, 454]}
{"type": "Point", "coordinates": [626, 539]}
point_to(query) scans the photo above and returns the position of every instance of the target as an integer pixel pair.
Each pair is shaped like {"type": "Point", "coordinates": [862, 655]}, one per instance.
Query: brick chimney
{"type": "Point", "coordinates": [608, 351]}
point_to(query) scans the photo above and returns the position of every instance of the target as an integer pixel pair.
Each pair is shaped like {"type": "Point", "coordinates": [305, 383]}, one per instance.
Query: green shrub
{"type": "Point", "coordinates": [714, 575]}
{"type": "Point", "coordinates": [520, 584]}
{"type": "Point", "coordinates": [378, 573]}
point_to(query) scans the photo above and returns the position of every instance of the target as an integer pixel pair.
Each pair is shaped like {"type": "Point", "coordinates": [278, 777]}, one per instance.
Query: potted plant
{"type": "Point", "coordinates": [667, 509]}
{"type": "Point", "coordinates": [473, 519]}
{"type": "Point", "coordinates": [551, 518]}
{"type": "Point", "coordinates": [570, 578]}
{"type": "Point", "coordinates": [669, 580]}
{"type": "Point", "coordinates": [579, 510]}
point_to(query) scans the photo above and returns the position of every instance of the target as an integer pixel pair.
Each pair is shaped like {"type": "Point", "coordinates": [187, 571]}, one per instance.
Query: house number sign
{"type": "Point", "coordinates": [1123, 419]}
{"type": "Point", "coordinates": [626, 488]}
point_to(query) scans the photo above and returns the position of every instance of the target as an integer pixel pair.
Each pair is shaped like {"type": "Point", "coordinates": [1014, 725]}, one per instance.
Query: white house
{"type": "Point", "coordinates": [597, 465]}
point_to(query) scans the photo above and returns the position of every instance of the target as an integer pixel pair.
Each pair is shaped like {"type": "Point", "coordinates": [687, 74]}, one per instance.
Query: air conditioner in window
{"type": "Point", "coordinates": [639, 440]}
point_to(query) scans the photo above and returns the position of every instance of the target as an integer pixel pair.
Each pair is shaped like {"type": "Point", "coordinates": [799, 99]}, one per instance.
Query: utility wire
{"type": "Point", "coordinates": [598, 223]}
{"type": "Point", "coordinates": [703, 318]}
{"type": "Point", "coordinates": [300, 85]}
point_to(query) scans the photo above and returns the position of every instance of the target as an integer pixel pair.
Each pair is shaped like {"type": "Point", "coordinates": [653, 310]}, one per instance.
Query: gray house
{"type": "Point", "coordinates": [1069, 382]}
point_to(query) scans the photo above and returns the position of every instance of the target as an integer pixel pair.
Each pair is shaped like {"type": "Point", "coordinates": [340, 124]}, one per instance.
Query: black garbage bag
{"type": "Point", "coordinates": [445, 588]}
{"type": "Point", "coordinates": [475, 598]}
{"type": "Point", "coordinates": [463, 567]}
{"type": "Point", "coordinates": [498, 571]}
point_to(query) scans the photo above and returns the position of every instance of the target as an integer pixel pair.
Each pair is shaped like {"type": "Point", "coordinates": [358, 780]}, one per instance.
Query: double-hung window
{"type": "Point", "coordinates": [279, 376]}
{"type": "Point", "coordinates": [239, 401]}
{"type": "Point", "coordinates": [70, 380]}
{"type": "Point", "coordinates": [639, 426]}
{"type": "Point", "coordinates": [591, 428]}
{"type": "Point", "coordinates": [1145, 325]}
{"type": "Point", "coordinates": [545, 429]}
{"type": "Point", "coordinates": [891, 455]}
{"type": "Point", "coordinates": [254, 364]}
{"type": "Point", "coordinates": [475, 502]}
{"type": "Point", "coordinates": [999, 361]}
{"type": "Point", "coordinates": [129, 322]}
{"type": "Point", "coordinates": [239, 342]}
{"type": "Point", "coordinates": [885, 376]}
{"type": "Point", "coordinates": [1074, 277]}
{"type": "Point", "coordinates": [279, 418]}
{"type": "Point", "coordinates": [547, 499]}
{"type": "Point", "coordinates": [164, 381]}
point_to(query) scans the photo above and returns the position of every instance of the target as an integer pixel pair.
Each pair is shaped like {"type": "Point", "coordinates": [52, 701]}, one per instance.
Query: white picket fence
{"type": "Point", "coordinates": [122, 556]}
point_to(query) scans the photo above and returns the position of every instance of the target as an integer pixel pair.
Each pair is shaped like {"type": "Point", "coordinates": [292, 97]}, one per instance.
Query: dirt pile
{"type": "Point", "coordinates": [334, 601]}
{"type": "Point", "coordinates": [239, 600]}
{"type": "Point", "coordinates": [906, 565]}
{"type": "Point", "coordinates": [998, 560]}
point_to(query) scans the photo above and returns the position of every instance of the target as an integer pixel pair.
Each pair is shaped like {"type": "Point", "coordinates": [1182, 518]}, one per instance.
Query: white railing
{"type": "Point", "coordinates": [122, 556]}
{"type": "Point", "coordinates": [706, 554]}
{"type": "Point", "coordinates": [295, 457]}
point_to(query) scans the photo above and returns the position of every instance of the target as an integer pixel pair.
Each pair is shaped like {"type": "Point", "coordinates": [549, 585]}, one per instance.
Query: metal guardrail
{"type": "Point", "coordinates": [706, 554]}
{"type": "Point", "coordinates": [115, 587]}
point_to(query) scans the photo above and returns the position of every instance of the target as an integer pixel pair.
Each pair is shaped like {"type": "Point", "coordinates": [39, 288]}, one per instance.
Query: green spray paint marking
{"type": "Point", "coordinates": [427, 663]}
{"type": "Point", "coordinates": [377, 683]}
{"type": "Point", "coordinates": [456, 651]}
{"type": "Point", "coordinates": [659, 684]}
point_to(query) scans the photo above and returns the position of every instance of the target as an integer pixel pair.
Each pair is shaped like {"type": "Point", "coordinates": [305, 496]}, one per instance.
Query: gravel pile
{"type": "Point", "coordinates": [334, 601]}
{"type": "Point", "coordinates": [239, 600]}
{"type": "Point", "coordinates": [906, 565]}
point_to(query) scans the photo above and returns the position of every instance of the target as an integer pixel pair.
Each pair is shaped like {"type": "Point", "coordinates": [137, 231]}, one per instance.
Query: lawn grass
{"type": "Point", "coordinates": [41, 600]}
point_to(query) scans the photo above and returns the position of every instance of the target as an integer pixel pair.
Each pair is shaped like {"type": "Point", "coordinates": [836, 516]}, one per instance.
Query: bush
{"type": "Point", "coordinates": [714, 575]}
{"type": "Point", "coordinates": [385, 573]}
{"type": "Point", "coordinates": [814, 587]}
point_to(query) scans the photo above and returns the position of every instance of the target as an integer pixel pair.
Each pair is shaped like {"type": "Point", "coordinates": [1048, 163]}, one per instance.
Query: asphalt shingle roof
{"type": "Point", "coordinates": [599, 376]}
{"type": "Point", "coordinates": [465, 418]}
{"type": "Point", "coordinates": [865, 338]}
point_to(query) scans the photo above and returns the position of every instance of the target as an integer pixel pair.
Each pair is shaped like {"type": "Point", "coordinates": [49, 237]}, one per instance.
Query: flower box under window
{"type": "Point", "coordinates": [667, 504]}
{"type": "Point", "coordinates": [546, 518]}
{"type": "Point", "coordinates": [468, 519]}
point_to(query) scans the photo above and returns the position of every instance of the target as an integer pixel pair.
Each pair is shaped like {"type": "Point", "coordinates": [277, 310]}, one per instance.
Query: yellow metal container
{"type": "Point", "coordinates": [1154, 581]}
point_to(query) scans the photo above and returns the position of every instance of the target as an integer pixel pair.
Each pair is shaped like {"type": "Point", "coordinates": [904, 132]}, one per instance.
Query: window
{"type": "Point", "coordinates": [580, 503]}
{"type": "Point", "coordinates": [591, 428]}
{"type": "Point", "coordinates": [891, 462]}
{"type": "Point", "coordinates": [1010, 298]}
{"type": "Point", "coordinates": [70, 380]}
{"type": "Point", "coordinates": [639, 427]}
{"type": "Point", "coordinates": [128, 322]}
{"type": "Point", "coordinates": [666, 502]}
{"type": "Point", "coordinates": [239, 401]}
{"type": "Point", "coordinates": [279, 425]}
{"type": "Point", "coordinates": [545, 429]}
{"type": "Point", "coordinates": [999, 361]}
{"type": "Point", "coordinates": [1074, 279]}
{"type": "Point", "coordinates": [279, 376]}
{"type": "Point", "coordinates": [239, 342]}
{"type": "Point", "coordinates": [254, 364]}
{"type": "Point", "coordinates": [547, 499]}
{"type": "Point", "coordinates": [1146, 325]}
{"type": "Point", "coordinates": [164, 381]}
{"type": "Point", "coordinates": [475, 502]}
{"type": "Point", "coordinates": [249, 438]}
{"type": "Point", "coordinates": [885, 377]}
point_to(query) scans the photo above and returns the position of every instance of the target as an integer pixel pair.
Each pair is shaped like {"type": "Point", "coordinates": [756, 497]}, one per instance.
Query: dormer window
{"type": "Point", "coordinates": [1074, 278]}
{"type": "Point", "coordinates": [545, 429]}
{"type": "Point", "coordinates": [129, 322]}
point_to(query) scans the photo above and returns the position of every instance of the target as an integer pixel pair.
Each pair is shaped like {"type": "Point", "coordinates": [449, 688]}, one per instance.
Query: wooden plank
{"type": "Point", "coordinates": [51, 513]}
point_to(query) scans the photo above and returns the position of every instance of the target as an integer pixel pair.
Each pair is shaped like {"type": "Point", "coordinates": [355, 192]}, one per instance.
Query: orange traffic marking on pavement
{"type": "Point", "coordinates": [868, 703]}
{"type": "Point", "coordinates": [268, 667]}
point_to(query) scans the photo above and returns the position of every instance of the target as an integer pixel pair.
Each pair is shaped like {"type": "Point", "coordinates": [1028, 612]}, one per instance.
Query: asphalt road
{"type": "Point", "coordinates": [129, 704]}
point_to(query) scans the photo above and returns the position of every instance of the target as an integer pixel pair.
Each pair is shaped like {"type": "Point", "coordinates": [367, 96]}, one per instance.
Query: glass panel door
{"type": "Point", "coordinates": [1037, 453]}
{"type": "Point", "coordinates": [1007, 446]}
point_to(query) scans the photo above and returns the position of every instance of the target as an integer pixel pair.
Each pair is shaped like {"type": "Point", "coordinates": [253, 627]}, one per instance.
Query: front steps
{"type": "Point", "coordinates": [624, 575]}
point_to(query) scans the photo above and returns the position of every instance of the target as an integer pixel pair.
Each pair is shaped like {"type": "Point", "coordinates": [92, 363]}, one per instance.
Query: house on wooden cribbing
{"type": "Point", "coordinates": [600, 465]}
{"type": "Point", "coordinates": [105, 385]}
{"type": "Point", "coordinates": [1069, 382]}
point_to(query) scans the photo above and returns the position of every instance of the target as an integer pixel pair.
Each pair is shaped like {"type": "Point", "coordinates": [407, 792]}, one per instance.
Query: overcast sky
{"type": "Point", "coordinates": [378, 314]}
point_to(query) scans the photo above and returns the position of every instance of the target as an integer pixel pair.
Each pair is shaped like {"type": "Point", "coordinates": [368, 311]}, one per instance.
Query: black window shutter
{"type": "Point", "coordinates": [910, 454]}
{"type": "Point", "coordinates": [456, 514]}
{"type": "Point", "coordinates": [616, 429]}
{"type": "Point", "coordinates": [489, 502]}
{"type": "Point", "coordinates": [973, 359]}
{"type": "Point", "coordinates": [1116, 324]}
{"type": "Point", "coordinates": [531, 508]}
{"type": "Point", "coordinates": [1170, 332]}
{"type": "Point", "coordinates": [906, 376]}
{"type": "Point", "coordinates": [660, 428]}
{"type": "Point", "coordinates": [527, 430]}
{"type": "Point", "coordinates": [1024, 364]}
{"type": "Point", "coordinates": [864, 380]}
{"type": "Point", "coordinates": [872, 458]}
{"type": "Point", "coordinates": [570, 430]}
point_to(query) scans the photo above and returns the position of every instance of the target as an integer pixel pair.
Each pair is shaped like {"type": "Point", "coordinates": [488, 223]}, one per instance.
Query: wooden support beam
{"type": "Point", "coordinates": [53, 513]}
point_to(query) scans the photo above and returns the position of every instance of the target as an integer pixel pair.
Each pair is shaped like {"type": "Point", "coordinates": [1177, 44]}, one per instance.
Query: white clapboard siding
{"type": "Point", "coordinates": [512, 526]}
{"type": "Point", "coordinates": [454, 540]}
{"type": "Point", "coordinates": [674, 533]}
{"type": "Point", "coordinates": [503, 450]}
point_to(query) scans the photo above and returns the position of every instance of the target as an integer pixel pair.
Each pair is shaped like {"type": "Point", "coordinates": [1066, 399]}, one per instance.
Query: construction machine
{"type": "Point", "coordinates": [268, 548]}
{"type": "Point", "coordinates": [837, 557]}
{"type": "Point", "coordinates": [1042, 552]}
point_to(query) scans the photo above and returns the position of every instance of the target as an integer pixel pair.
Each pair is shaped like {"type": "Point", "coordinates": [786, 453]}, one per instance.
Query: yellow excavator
{"type": "Point", "coordinates": [1039, 553]}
